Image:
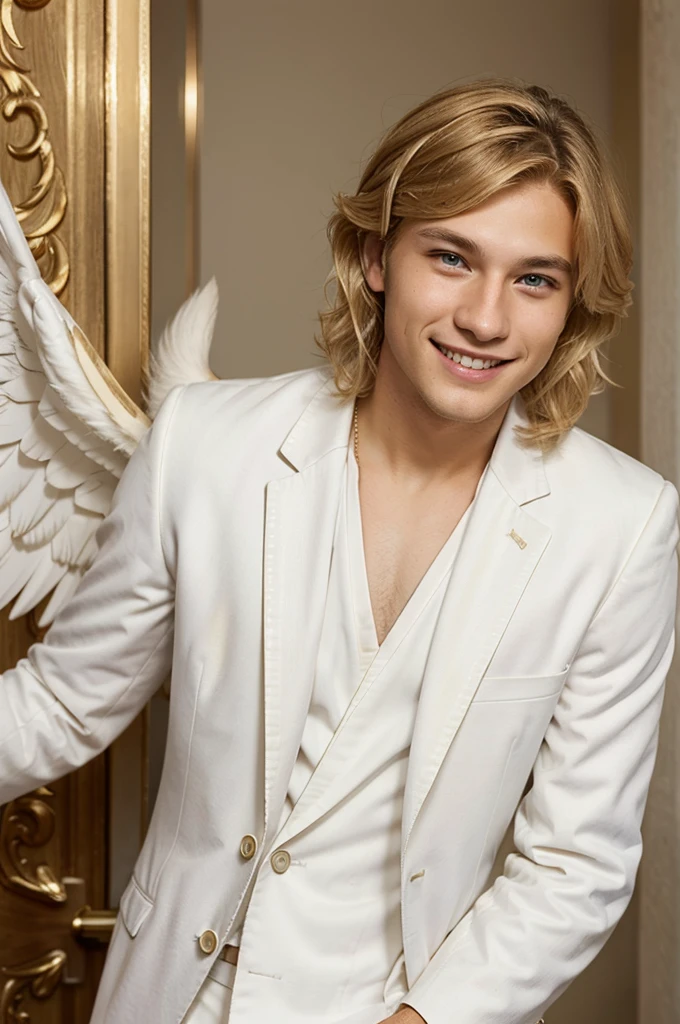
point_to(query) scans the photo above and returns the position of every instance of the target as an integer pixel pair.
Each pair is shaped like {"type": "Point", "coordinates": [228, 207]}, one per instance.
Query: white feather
{"type": "Point", "coordinates": [63, 592]}
{"type": "Point", "coordinates": [64, 372]}
{"type": "Point", "coordinates": [41, 441]}
{"type": "Point", "coordinates": [28, 359]}
{"type": "Point", "coordinates": [95, 494]}
{"type": "Point", "coordinates": [31, 504]}
{"type": "Point", "coordinates": [53, 520]}
{"type": "Point", "coordinates": [68, 468]}
{"type": "Point", "coordinates": [66, 428]}
{"type": "Point", "coordinates": [16, 474]}
{"type": "Point", "coordinates": [16, 568]}
{"type": "Point", "coordinates": [16, 418]}
{"type": "Point", "coordinates": [28, 386]}
{"type": "Point", "coordinates": [53, 410]}
{"type": "Point", "coordinates": [45, 576]}
{"type": "Point", "coordinates": [89, 551]}
{"type": "Point", "coordinates": [68, 543]}
{"type": "Point", "coordinates": [181, 355]}
{"type": "Point", "coordinates": [10, 367]}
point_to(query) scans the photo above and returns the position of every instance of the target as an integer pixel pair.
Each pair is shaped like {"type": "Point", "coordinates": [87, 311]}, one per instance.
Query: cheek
{"type": "Point", "coordinates": [414, 304]}
{"type": "Point", "coordinates": [541, 327]}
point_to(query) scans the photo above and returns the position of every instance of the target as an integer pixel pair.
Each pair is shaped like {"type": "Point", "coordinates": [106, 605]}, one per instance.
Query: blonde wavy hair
{"type": "Point", "coordinates": [448, 155]}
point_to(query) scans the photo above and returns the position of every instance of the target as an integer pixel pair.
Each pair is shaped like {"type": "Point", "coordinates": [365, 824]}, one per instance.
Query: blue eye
{"type": "Point", "coordinates": [536, 281]}
{"type": "Point", "coordinates": [448, 259]}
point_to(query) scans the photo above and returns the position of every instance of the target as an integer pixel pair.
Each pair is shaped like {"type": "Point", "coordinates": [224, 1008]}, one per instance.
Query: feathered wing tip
{"type": "Point", "coordinates": [85, 385]}
{"type": "Point", "coordinates": [15, 250]}
{"type": "Point", "coordinates": [183, 349]}
{"type": "Point", "coordinates": [66, 429]}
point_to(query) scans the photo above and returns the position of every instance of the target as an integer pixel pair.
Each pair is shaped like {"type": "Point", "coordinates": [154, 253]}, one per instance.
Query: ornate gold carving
{"type": "Point", "coordinates": [42, 211]}
{"type": "Point", "coordinates": [38, 978]}
{"type": "Point", "coordinates": [28, 822]}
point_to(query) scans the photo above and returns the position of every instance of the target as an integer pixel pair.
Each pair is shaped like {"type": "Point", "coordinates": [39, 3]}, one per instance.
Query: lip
{"type": "Point", "coordinates": [466, 373]}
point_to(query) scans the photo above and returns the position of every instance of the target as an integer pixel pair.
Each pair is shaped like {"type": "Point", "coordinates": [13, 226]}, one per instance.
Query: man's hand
{"type": "Point", "coordinates": [404, 1015]}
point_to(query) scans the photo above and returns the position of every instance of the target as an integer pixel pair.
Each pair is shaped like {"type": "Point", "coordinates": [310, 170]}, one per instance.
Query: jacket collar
{"type": "Point", "coordinates": [324, 425]}
{"type": "Point", "coordinates": [521, 471]}
{"type": "Point", "coordinates": [326, 422]}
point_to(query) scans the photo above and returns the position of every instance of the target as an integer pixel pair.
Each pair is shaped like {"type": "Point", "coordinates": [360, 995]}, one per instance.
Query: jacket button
{"type": "Point", "coordinates": [248, 847]}
{"type": "Point", "coordinates": [280, 861]}
{"type": "Point", "coordinates": [208, 941]}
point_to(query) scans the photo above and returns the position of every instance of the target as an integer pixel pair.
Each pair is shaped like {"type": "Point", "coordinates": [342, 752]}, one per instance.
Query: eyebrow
{"type": "Point", "coordinates": [546, 262]}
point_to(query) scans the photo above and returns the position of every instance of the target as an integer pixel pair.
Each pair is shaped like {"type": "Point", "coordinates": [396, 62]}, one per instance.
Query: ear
{"type": "Point", "coordinates": [372, 261]}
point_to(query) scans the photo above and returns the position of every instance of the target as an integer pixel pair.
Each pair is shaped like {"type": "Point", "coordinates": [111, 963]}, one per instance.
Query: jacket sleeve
{"type": "Point", "coordinates": [108, 650]}
{"type": "Point", "coordinates": [577, 831]}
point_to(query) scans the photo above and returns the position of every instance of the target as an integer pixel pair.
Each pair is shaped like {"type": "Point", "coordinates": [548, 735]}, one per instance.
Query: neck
{"type": "Point", "coordinates": [399, 432]}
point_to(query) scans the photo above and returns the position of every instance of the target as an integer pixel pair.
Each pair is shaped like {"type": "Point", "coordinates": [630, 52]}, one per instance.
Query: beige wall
{"type": "Point", "coordinates": [660, 882]}
{"type": "Point", "coordinates": [296, 95]}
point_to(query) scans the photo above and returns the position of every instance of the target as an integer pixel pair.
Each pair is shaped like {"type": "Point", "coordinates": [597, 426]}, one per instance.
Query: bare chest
{"type": "Point", "coordinates": [402, 537]}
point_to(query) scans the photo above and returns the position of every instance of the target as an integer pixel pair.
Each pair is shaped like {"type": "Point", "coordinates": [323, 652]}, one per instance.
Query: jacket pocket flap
{"type": "Point", "coordinates": [504, 688]}
{"type": "Point", "coordinates": [135, 907]}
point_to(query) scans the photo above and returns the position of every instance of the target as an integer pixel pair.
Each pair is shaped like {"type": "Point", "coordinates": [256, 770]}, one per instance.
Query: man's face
{"type": "Point", "coordinates": [491, 284]}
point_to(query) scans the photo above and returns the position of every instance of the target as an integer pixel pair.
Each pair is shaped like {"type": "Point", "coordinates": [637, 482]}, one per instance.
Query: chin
{"type": "Point", "coordinates": [466, 410]}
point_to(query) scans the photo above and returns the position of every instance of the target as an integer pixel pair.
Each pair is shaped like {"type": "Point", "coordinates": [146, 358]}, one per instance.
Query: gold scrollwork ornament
{"type": "Point", "coordinates": [29, 822]}
{"type": "Point", "coordinates": [37, 978]}
{"type": "Point", "coordinates": [42, 211]}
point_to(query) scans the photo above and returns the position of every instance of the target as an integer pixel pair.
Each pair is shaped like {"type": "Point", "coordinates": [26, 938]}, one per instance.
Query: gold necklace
{"type": "Point", "coordinates": [356, 432]}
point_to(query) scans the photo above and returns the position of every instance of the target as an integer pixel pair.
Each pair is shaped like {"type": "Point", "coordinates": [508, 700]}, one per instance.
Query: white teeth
{"type": "Point", "coordinates": [467, 361]}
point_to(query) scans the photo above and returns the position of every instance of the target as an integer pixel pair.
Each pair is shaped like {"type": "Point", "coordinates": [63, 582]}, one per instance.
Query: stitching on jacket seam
{"type": "Point", "coordinates": [142, 892]}
{"type": "Point", "coordinates": [187, 772]}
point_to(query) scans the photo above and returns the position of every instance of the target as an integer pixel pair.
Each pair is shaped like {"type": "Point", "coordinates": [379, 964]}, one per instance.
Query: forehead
{"type": "Point", "coordinates": [523, 221]}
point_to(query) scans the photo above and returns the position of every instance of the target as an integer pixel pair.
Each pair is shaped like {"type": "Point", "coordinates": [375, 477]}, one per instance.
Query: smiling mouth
{"type": "Point", "coordinates": [468, 361]}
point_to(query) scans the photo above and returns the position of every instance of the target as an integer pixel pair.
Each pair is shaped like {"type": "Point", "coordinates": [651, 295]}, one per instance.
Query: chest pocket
{"type": "Point", "coordinates": [509, 688]}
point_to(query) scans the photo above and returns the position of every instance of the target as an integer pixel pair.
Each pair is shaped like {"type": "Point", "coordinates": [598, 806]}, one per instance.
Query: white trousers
{"type": "Point", "coordinates": [212, 1004]}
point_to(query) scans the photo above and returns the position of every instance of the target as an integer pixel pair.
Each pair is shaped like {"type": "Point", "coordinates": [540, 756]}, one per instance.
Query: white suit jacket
{"type": "Point", "coordinates": [550, 653]}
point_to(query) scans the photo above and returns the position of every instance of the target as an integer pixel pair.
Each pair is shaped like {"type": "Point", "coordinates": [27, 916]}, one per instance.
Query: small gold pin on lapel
{"type": "Point", "coordinates": [519, 541]}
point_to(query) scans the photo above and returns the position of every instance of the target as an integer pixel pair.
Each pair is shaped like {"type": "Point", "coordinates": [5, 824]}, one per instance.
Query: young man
{"type": "Point", "coordinates": [404, 599]}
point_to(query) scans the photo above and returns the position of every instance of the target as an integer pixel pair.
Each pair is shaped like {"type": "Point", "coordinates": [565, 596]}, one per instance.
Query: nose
{"type": "Point", "coordinates": [481, 310]}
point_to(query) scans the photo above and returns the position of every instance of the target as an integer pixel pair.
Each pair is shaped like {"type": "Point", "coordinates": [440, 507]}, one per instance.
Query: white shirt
{"type": "Point", "coordinates": [356, 737]}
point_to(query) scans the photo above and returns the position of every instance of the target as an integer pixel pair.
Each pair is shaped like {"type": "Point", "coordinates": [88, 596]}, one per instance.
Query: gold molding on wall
{"type": "Point", "coordinates": [42, 210]}
{"type": "Point", "coordinates": [38, 978]}
{"type": "Point", "coordinates": [29, 822]}
{"type": "Point", "coordinates": [128, 93]}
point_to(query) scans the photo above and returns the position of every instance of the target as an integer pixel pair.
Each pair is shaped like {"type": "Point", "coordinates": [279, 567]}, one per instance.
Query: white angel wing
{"type": "Point", "coordinates": [181, 355]}
{"type": "Point", "coordinates": [66, 429]}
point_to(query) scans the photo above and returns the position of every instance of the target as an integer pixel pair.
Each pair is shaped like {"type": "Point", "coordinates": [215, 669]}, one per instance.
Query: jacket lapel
{"type": "Point", "coordinates": [501, 548]}
{"type": "Point", "coordinates": [300, 515]}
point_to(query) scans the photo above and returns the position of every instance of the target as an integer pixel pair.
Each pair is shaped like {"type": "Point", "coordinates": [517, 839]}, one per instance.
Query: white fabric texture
{"type": "Point", "coordinates": [345, 873]}
{"type": "Point", "coordinates": [211, 1005]}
